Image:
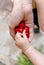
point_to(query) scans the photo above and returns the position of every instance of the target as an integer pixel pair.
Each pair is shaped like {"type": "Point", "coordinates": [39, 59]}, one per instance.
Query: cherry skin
{"type": "Point", "coordinates": [26, 28]}
{"type": "Point", "coordinates": [16, 30]}
{"type": "Point", "coordinates": [21, 30]}
{"type": "Point", "coordinates": [27, 34]}
{"type": "Point", "coordinates": [22, 25]}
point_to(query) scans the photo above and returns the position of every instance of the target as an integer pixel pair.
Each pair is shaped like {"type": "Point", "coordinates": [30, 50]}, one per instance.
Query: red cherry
{"type": "Point", "coordinates": [27, 34]}
{"type": "Point", "coordinates": [22, 25]}
{"type": "Point", "coordinates": [21, 30]}
{"type": "Point", "coordinates": [17, 30]}
{"type": "Point", "coordinates": [27, 29]}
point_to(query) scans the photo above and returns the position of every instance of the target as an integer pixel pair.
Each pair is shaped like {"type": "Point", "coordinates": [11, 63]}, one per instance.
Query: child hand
{"type": "Point", "coordinates": [22, 42]}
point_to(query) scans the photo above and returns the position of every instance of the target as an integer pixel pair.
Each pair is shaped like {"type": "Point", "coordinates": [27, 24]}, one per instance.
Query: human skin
{"type": "Point", "coordinates": [40, 9]}
{"type": "Point", "coordinates": [22, 11]}
{"type": "Point", "coordinates": [36, 57]}
{"type": "Point", "coordinates": [22, 7]}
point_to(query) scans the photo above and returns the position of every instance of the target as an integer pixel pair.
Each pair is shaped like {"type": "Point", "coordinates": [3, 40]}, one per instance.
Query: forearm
{"type": "Point", "coordinates": [40, 8]}
{"type": "Point", "coordinates": [35, 56]}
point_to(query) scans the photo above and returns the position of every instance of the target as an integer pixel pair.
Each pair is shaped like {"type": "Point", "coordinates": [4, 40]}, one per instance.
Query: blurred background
{"type": "Point", "coordinates": [9, 52]}
{"type": "Point", "coordinates": [5, 10]}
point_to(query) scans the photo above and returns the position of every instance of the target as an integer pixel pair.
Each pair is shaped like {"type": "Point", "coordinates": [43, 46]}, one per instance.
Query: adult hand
{"type": "Point", "coordinates": [22, 11]}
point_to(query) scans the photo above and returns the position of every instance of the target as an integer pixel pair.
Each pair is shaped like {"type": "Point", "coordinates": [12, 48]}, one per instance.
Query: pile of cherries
{"type": "Point", "coordinates": [21, 27]}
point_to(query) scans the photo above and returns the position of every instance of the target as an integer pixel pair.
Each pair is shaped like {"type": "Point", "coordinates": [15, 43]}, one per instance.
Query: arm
{"type": "Point", "coordinates": [40, 9]}
{"type": "Point", "coordinates": [36, 57]}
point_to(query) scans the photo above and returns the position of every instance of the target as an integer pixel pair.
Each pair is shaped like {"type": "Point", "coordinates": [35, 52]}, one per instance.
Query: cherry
{"type": "Point", "coordinates": [27, 34]}
{"type": "Point", "coordinates": [16, 30]}
{"type": "Point", "coordinates": [26, 28]}
{"type": "Point", "coordinates": [22, 25]}
{"type": "Point", "coordinates": [21, 30]}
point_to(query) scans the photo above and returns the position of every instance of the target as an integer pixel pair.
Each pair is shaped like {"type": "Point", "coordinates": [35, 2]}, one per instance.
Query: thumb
{"type": "Point", "coordinates": [31, 34]}
{"type": "Point", "coordinates": [24, 34]}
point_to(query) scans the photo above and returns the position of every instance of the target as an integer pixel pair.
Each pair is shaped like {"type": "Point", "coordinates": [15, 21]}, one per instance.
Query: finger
{"type": "Point", "coordinates": [18, 35]}
{"type": "Point", "coordinates": [17, 41]}
{"type": "Point", "coordinates": [12, 32]}
{"type": "Point", "coordinates": [29, 23]}
{"type": "Point", "coordinates": [31, 37]}
{"type": "Point", "coordinates": [29, 16]}
{"type": "Point", "coordinates": [17, 13]}
{"type": "Point", "coordinates": [24, 34]}
{"type": "Point", "coordinates": [15, 19]}
{"type": "Point", "coordinates": [31, 34]}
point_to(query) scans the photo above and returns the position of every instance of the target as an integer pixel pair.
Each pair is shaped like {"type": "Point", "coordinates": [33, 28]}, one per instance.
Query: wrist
{"type": "Point", "coordinates": [28, 49]}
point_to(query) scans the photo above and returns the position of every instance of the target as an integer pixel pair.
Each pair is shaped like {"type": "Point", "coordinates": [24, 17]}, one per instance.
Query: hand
{"type": "Point", "coordinates": [16, 16]}
{"type": "Point", "coordinates": [22, 11]}
{"type": "Point", "coordinates": [22, 42]}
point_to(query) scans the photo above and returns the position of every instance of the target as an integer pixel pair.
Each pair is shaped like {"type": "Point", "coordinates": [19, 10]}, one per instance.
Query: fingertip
{"type": "Point", "coordinates": [24, 34]}
{"type": "Point", "coordinates": [19, 33]}
{"type": "Point", "coordinates": [19, 36]}
{"type": "Point", "coordinates": [30, 37]}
